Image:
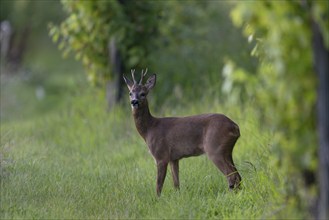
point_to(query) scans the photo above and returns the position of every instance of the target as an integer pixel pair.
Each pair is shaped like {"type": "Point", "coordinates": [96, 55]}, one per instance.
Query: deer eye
{"type": "Point", "coordinates": [143, 95]}
{"type": "Point", "coordinates": [130, 94]}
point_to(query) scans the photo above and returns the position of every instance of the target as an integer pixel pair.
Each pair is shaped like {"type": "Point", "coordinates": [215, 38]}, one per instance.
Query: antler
{"type": "Point", "coordinates": [133, 75]}
{"type": "Point", "coordinates": [142, 75]}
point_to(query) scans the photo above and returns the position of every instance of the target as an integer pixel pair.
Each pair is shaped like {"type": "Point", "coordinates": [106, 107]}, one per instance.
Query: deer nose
{"type": "Point", "coordinates": [134, 102]}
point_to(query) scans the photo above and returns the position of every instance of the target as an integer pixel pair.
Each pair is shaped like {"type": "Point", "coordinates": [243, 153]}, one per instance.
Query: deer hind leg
{"type": "Point", "coordinates": [222, 158]}
{"type": "Point", "coordinates": [174, 165]}
{"type": "Point", "coordinates": [162, 171]}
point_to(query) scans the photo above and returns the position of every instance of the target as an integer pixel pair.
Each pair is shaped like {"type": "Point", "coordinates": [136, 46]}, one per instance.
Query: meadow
{"type": "Point", "coordinates": [64, 155]}
{"type": "Point", "coordinates": [81, 161]}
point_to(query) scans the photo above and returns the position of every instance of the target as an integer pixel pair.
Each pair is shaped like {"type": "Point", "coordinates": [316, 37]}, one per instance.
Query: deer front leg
{"type": "Point", "coordinates": [175, 172]}
{"type": "Point", "coordinates": [162, 171]}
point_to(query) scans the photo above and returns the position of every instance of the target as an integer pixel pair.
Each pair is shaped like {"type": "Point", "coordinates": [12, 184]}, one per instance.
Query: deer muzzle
{"type": "Point", "coordinates": [134, 103]}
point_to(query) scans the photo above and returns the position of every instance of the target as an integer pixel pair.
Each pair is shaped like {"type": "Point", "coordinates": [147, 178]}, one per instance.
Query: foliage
{"type": "Point", "coordinates": [284, 86]}
{"type": "Point", "coordinates": [29, 13]}
{"type": "Point", "coordinates": [196, 37]}
{"type": "Point", "coordinates": [90, 26]}
{"type": "Point", "coordinates": [184, 42]}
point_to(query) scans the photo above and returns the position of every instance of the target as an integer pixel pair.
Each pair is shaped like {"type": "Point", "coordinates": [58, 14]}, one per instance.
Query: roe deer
{"type": "Point", "coordinates": [173, 138]}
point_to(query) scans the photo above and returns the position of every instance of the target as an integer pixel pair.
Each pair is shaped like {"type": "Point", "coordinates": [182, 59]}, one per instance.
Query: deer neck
{"type": "Point", "coordinates": [143, 119]}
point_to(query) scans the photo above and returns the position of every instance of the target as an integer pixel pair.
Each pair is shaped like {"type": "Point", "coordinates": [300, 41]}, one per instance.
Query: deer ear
{"type": "Point", "coordinates": [128, 82]}
{"type": "Point", "coordinates": [150, 82]}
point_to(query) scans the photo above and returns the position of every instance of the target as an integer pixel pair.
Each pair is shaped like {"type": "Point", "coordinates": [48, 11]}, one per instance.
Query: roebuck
{"type": "Point", "coordinates": [173, 138]}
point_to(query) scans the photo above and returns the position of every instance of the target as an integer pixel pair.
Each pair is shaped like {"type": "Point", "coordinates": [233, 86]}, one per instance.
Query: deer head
{"type": "Point", "coordinates": [138, 91]}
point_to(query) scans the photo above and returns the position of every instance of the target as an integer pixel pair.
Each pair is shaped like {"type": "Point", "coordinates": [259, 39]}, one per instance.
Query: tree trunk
{"type": "Point", "coordinates": [5, 37]}
{"type": "Point", "coordinates": [114, 88]}
{"type": "Point", "coordinates": [17, 49]}
{"type": "Point", "coordinates": [321, 57]}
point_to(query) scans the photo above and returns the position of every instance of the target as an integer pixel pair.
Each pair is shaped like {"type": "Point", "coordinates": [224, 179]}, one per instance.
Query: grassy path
{"type": "Point", "coordinates": [82, 162]}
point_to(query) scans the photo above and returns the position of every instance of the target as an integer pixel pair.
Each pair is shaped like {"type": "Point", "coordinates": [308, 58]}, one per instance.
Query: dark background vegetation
{"type": "Point", "coordinates": [271, 56]}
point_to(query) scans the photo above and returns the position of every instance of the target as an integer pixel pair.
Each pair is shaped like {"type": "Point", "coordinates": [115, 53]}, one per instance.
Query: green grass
{"type": "Point", "coordinates": [82, 162]}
